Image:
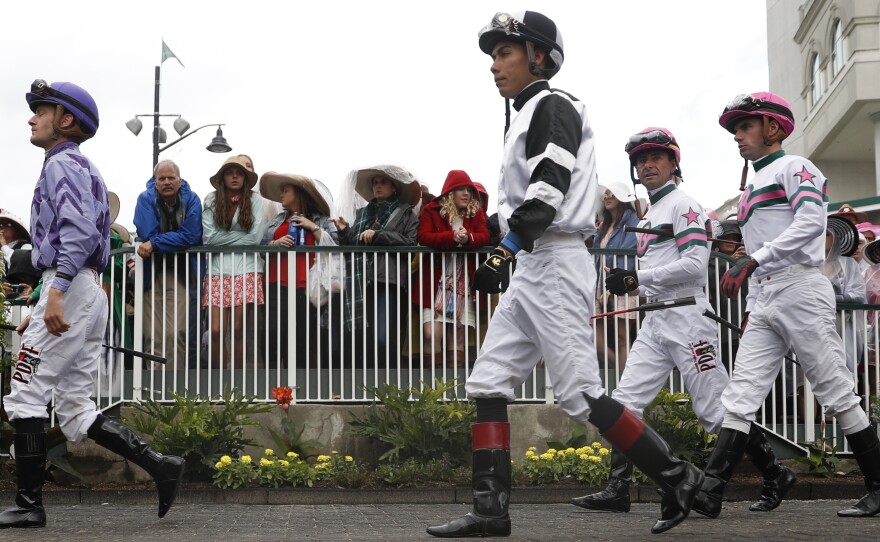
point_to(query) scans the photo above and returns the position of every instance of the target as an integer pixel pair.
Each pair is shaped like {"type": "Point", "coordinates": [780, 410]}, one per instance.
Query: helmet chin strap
{"type": "Point", "coordinates": [742, 182]}
{"type": "Point", "coordinates": [533, 63]}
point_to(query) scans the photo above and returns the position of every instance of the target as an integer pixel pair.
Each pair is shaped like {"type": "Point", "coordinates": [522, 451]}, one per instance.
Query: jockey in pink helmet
{"type": "Point", "coordinates": [652, 138]}
{"type": "Point", "coordinates": [768, 106]}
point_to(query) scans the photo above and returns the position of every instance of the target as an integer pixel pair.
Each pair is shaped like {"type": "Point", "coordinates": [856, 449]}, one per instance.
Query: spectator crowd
{"type": "Point", "coordinates": [239, 301]}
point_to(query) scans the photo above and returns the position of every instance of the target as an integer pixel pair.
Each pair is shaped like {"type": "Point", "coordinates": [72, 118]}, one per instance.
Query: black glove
{"type": "Point", "coordinates": [738, 273]}
{"type": "Point", "coordinates": [621, 281]}
{"type": "Point", "coordinates": [494, 275]}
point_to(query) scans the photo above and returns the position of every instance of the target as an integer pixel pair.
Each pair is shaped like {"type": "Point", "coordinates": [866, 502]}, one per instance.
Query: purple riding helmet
{"type": "Point", "coordinates": [73, 98]}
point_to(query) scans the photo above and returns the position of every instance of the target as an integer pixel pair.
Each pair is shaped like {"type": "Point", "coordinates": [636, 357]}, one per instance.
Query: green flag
{"type": "Point", "coordinates": [167, 53]}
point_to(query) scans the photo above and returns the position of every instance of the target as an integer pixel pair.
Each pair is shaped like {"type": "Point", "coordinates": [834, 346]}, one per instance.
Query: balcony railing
{"type": "Point", "coordinates": [335, 352]}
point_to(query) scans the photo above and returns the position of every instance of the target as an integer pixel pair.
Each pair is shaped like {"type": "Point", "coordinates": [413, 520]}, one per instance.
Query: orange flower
{"type": "Point", "coordinates": [283, 395]}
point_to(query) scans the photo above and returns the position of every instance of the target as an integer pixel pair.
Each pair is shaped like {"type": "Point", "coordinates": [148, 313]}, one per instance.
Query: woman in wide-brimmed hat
{"type": "Point", "coordinates": [306, 206]}
{"type": "Point", "coordinates": [387, 220]}
{"type": "Point", "coordinates": [618, 211]}
{"type": "Point", "coordinates": [452, 222]}
{"type": "Point", "coordinates": [232, 216]}
{"type": "Point", "coordinates": [846, 279]}
{"type": "Point", "coordinates": [15, 244]}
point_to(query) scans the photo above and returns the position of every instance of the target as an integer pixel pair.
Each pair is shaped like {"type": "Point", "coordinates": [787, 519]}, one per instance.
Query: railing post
{"type": "Point", "coordinates": [138, 331]}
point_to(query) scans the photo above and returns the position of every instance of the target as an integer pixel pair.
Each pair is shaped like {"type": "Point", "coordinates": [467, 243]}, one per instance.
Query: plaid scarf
{"type": "Point", "coordinates": [375, 217]}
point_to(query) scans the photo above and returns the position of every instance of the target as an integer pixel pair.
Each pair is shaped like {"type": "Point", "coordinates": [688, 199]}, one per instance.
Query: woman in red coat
{"type": "Point", "coordinates": [453, 222]}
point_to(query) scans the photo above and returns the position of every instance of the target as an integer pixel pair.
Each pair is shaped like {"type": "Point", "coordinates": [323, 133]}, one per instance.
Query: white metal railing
{"type": "Point", "coordinates": [328, 361]}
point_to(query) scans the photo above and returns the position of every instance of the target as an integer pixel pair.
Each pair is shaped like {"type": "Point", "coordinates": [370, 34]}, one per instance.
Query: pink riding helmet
{"type": "Point", "coordinates": [764, 104]}
{"type": "Point", "coordinates": [652, 137]}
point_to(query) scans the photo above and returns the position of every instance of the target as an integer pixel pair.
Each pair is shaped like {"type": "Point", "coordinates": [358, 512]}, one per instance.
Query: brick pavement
{"type": "Point", "coordinates": [794, 520]}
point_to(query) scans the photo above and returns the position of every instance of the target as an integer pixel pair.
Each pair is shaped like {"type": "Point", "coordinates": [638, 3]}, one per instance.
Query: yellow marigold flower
{"type": "Point", "coordinates": [532, 448]}
{"type": "Point", "coordinates": [322, 466]}
{"type": "Point", "coordinates": [546, 456]}
{"type": "Point", "coordinates": [226, 460]}
{"type": "Point", "coordinates": [551, 451]}
{"type": "Point", "coordinates": [269, 452]}
{"type": "Point", "coordinates": [561, 453]}
{"type": "Point", "coordinates": [583, 450]}
{"type": "Point", "coordinates": [596, 445]}
{"type": "Point", "coordinates": [530, 453]}
{"type": "Point", "coordinates": [604, 451]}
{"type": "Point", "coordinates": [532, 458]}
{"type": "Point", "coordinates": [334, 452]}
{"type": "Point", "coordinates": [595, 459]}
{"type": "Point", "coordinates": [292, 455]}
{"type": "Point", "coordinates": [569, 450]}
{"type": "Point", "coordinates": [219, 465]}
{"type": "Point", "coordinates": [264, 462]}
{"type": "Point", "coordinates": [349, 459]}
{"type": "Point", "coordinates": [283, 462]}
{"type": "Point", "coordinates": [246, 459]}
{"type": "Point", "coordinates": [323, 458]}
{"type": "Point", "coordinates": [584, 456]}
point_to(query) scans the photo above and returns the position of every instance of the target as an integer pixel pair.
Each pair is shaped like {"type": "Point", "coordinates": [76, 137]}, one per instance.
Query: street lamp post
{"type": "Point", "coordinates": [218, 144]}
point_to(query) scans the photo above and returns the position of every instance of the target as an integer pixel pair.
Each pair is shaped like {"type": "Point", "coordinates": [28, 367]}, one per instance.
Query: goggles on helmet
{"type": "Point", "coordinates": [41, 88]}
{"type": "Point", "coordinates": [748, 103]}
{"type": "Point", "coordinates": [657, 137]}
{"type": "Point", "coordinates": [503, 22]}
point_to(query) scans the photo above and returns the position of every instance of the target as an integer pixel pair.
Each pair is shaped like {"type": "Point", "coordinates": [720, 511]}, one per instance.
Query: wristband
{"type": "Point", "coordinates": [64, 276]}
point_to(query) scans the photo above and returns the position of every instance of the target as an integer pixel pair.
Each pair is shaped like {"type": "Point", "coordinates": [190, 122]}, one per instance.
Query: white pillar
{"type": "Point", "coordinates": [876, 118]}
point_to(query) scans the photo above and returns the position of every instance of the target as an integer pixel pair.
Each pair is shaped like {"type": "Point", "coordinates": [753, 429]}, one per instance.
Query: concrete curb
{"type": "Point", "coordinates": [460, 495]}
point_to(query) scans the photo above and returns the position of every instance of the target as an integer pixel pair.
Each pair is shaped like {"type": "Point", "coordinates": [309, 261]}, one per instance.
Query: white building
{"type": "Point", "coordinates": [824, 58]}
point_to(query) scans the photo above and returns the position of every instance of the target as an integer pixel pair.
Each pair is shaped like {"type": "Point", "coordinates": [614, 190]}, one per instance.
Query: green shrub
{"type": "Point", "coordinates": [418, 423]}
{"type": "Point", "coordinates": [671, 415]}
{"type": "Point", "coordinates": [196, 430]}
{"type": "Point", "coordinates": [822, 459]}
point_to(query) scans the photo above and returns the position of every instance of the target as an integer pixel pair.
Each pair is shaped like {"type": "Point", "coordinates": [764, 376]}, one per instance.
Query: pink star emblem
{"type": "Point", "coordinates": [806, 176]}
{"type": "Point", "coordinates": [691, 216]}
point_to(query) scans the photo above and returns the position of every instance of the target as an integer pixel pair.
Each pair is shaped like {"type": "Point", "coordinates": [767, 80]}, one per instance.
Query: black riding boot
{"type": "Point", "coordinates": [615, 496]}
{"type": "Point", "coordinates": [166, 470]}
{"type": "Point", "coordinates": [679, 481]}
{"type": "Point", "coordinates": [866, 448]}
{"type": "Point", "coordinates": [729, 449]}
{"type": "Point", "coordinates": [491, 486]}
{"type": "Point", "coordinates": [778, 478]}
{"type": "Point", "coordinates": [30, 469]}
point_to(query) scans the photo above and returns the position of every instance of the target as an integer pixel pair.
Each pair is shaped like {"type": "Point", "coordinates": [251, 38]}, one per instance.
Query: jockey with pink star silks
{"type": "Point", "coordinates": [673, 266]}
{"type": "Point", "coordinates": [790, 304]}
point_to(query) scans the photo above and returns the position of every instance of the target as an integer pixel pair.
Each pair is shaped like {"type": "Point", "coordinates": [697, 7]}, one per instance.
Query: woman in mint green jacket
{"type": "Point", "coordinates": [233, 216]}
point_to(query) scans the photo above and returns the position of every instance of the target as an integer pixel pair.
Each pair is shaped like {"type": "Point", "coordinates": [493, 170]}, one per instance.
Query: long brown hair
{"type": "Point", "coordinates": [224, 208]}
{"type": "Point", "coordinates": [608, 219]}
{"type": "Point", "coordinates": [305, 203]}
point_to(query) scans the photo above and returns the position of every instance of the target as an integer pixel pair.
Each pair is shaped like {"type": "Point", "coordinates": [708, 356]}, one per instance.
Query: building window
{"type": "Point", "coordinates": [816, 83]}
{"type": "Point", "coordinates": [838, 49]}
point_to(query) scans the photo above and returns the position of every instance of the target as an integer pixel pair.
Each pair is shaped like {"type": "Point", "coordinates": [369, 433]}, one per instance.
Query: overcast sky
{"type": "Point", "coordinates": [321, 88]}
